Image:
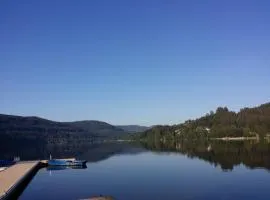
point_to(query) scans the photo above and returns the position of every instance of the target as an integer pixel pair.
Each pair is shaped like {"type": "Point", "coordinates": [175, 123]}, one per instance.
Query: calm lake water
{"type": "Point", "coordinates": [212, 171]}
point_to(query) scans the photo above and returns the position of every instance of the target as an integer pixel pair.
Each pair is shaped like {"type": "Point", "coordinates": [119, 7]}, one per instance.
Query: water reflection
{"type": "Point", "coordinates": [57, 168]}
{"type": "Point", "coordinates": [87, 151]}
{"type": "Point", "coordinates": [223, 154]}
{"type": "Point", "coordinates": [169, 170]}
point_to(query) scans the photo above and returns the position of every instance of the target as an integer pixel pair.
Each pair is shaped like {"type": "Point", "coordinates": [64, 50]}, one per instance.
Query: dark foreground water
{"type": "Point", "coordinates": [184, 171]}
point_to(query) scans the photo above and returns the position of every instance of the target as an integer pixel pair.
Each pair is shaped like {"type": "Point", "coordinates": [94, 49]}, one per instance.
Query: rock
{"type": "Point", "coordinates": [100, 198]}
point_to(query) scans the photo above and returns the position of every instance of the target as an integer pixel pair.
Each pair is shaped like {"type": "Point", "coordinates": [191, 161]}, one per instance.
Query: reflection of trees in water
{"type": "Point", "coordinates": [35, 150]}
{"type": "Point", "coordinates": [221, 153]}
{"type": "Point", "coordinates": [102, 151]}
{"type": "Point", "coordinates": [92, 152]}
{"type": "Point", "coordinates": [27, 149]}
{"type": "Point", "coordinates": [218, 153]}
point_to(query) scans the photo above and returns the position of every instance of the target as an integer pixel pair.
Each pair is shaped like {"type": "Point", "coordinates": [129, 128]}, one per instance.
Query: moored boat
{"type": "Point", "coordinates": [63, 162]}
{"type": "Point", "coordinates": [6, 162]}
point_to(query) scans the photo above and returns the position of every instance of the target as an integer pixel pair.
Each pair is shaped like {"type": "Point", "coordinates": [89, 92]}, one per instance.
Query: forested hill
{"type": "Point", "coordinates": [35, 128]}
{"type": "Point", "coordinates": [248, 122]}
{"type": "Point", "coordinates": [100, 128]}
{"type": "Point", "coordinates": [10, 124]}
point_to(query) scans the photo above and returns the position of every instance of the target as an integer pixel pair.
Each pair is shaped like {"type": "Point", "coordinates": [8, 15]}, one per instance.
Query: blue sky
{"type": "Point", "coordinates": [132, 62]}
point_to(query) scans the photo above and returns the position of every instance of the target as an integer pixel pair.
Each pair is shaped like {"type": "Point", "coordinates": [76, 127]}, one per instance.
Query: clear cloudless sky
{"type": "Point", "coordinates": [132, 62]}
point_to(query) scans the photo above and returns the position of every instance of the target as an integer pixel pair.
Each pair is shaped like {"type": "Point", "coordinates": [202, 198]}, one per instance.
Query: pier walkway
{"type": "Point", "coordinates": [11, 177]}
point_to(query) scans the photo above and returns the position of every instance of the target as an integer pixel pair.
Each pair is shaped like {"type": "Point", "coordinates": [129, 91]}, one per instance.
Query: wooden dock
{"type": "Point", "coordinates": [12, 177]}
{"type": "Point", "coordinates": [15, 178]}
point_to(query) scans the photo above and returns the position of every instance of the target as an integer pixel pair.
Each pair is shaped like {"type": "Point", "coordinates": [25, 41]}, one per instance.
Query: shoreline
{"type": "Point", "coordinates": [235, 138]}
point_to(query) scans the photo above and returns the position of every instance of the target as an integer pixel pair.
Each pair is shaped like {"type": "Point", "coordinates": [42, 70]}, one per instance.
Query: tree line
{"type": "Point", "coordinates": [248, 122]}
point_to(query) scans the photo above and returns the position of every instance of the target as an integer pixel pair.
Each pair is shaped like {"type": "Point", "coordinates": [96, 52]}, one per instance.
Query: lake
{"type": "Point", "coordinates": [197, 170]}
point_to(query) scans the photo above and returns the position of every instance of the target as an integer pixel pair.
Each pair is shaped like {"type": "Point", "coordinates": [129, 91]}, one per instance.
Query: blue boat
{"type": "Point", "coordinates": [4, 163]}
{"type": "Point", "coordinates": [64, 162]}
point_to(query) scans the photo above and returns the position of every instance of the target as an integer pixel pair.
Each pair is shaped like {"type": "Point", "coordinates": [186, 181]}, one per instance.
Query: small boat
{"type": "Point", "coordinates": [7, 163]}
{"type": "Point", "coordinates": [64, 162]}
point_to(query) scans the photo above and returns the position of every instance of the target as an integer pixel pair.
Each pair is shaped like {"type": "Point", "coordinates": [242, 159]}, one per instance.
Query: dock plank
{"type": "Point", "coordinates": [12, 175]}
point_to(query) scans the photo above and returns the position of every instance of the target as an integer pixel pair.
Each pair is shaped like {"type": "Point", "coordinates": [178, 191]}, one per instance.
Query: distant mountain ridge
{"type": "Point", "coordinates": [20, 127]}
{"type": "Point", "coordinates": [99, 128]}
{"type": "Point", "coordinates": [133, 128]}
{"type": "Point", "coordinates": [16, 124]}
